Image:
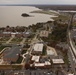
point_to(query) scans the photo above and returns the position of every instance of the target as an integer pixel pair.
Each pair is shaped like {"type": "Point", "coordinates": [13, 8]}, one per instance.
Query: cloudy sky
{"type": "Point", "coordinates": [38, 2]}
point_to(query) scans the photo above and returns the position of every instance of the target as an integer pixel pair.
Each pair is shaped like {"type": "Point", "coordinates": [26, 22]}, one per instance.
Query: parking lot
{"type": "Point", "coordinates": [29, 72]}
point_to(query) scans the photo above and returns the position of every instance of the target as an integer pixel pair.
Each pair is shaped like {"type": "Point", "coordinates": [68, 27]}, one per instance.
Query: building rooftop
{"type": "Point", "coordinates": [47, 63]}
{"type": "Point", "coordinates": [70, 74]}
{"type": "Point", "coordinates": [57, 61]}
{"type": "Point", "coordinates": [13, 52]}
{"type": "Point", "coordinates": [6, 32]}
{"type": "Point", "coordinates": [35, 58]}
{"type": "Point", "coordinates": [51, 51]}
{"type": "Point", "coordinates": [38, 47]}
{"type": "Point", "coordinates": [42, 64]}
{"type": "Point", "coordinates": [74, 34]}
{"type": "Point", "coordinates": [63, 45]}
{"type": "Point", "coordinates": [44, 33]}
{"type": "Point", "coordinates": [39, 64]}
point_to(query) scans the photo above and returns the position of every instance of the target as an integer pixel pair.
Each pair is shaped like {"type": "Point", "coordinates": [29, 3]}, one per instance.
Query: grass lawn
{"type": "Point", "coordinates": [28, 41]}
{"type": "Point", "coordinates": [16, 40]}
{"type": "Point", "coordinates": [65, 57]}
{"type": "Point", "coordinates": [4, 39]}
{"type": "Point", "coordinates": [24, 51]}
{"type": "Point", "coordinates": [19, 60]}
{"type": "Point", "coordinates": [62, 17]}
{"type": "Point", "coordinates": [44, 50]}
{"type": "Point", "coordinates": [74, 23]}
{"type": "Point", "coordinates": [2, 47]}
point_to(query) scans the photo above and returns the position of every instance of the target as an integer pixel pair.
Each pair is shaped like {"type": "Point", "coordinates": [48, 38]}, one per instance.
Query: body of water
{"type": "Point", "coordinates": [11, 15]}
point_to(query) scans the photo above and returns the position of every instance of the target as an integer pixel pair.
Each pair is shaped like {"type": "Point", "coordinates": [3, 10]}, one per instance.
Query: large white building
{"type": "Point", "coordinates": [38, 48]}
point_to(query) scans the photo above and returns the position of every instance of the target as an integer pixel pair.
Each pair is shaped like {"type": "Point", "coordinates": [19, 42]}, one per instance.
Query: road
{"type": "Point", "coordinates": [71, 61]}
{"type": "Point", "coordinates": [71, 44]}
{"type": "Point", "coordinates": [71, 47]}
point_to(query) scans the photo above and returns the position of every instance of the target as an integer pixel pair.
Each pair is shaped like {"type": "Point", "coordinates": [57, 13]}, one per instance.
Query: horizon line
{"type": "Point", "coordinates": [32, 4]}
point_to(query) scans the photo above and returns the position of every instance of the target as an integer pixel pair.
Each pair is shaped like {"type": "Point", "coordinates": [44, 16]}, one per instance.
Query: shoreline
{"type": "Point", "coordinates": [26, 26]}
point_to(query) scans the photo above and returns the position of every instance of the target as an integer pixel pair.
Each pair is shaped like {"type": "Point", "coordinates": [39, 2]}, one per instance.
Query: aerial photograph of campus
{"type": "Point", "coordinates": [37, 37]}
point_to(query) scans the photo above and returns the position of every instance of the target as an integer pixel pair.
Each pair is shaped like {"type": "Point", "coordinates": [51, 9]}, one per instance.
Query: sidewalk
{"type": "Point", "coordinates": [23, 41]}
{"type": "Point", "coordinates": [10, 39]}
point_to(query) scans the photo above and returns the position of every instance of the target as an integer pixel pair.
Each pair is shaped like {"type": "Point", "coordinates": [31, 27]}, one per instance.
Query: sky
{"type": "Point", "coordinates": [72, 2]}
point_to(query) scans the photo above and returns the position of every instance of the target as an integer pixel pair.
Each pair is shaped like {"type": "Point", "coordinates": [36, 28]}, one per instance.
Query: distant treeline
{"type": "Point", "coordinates": [53, 7]}
{"type": "Point", "coordinates": [57, 7]}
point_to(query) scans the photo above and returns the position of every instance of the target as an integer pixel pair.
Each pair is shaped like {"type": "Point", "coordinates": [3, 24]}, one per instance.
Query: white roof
{"type": "Point", "coordinates": [38, 47]}
{"type": "Point", "coordinates": [6, 32]}
{"type": "Point", "coordinates": [47, 63]}
{"type": "Point", "coordinates": [44, 33]}
{"type": "Point", "coordinates": [39, 64]}
{"type": "Point", "coordinates": [35, 58]}
{"type": "Point", "coordinates": [27, 32]}
{"type": "Point", "coordinates": [70, 74]}
{"type": "Point", "coordinates": [56, 61]}
{"type": "Point", "coordinates": [50, 52]}
{"type": "Point", "coordinates": [13, 33]}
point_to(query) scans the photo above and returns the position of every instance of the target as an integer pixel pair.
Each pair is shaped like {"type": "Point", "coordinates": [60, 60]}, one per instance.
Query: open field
{"type": "Point", "coordinates": [62, 17]}
{"type": "Point", "coordinates": [45, 12]}
{"type": "Point", "coordinates": [4, 39]}
{"type": "Point", "coordinates": [74, 23]}
{"type": "Point", "coordinates": [16, 40]}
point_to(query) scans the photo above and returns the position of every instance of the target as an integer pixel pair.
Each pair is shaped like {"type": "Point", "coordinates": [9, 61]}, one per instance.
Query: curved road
{"type": "Point", "coordinates": [72, 51]}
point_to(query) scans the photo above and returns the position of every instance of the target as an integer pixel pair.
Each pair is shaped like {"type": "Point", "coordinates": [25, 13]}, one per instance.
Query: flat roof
{"type": "Point", "coordinates": [35, 58]}
{"type": "Point", "coordinates": [70, 74]}
{"type": "Point", "coordinates": [38, 47]}
{"type": "Point", "coordinates": [56, 61]}
{"type": "Point", "coordinates": [74, 33]}
{"type": "Point", "coordinates": [6, 32]}
{"type": "Point", "coordinates": [44, 33]}
{"type": "Point", "coordinates": [47, 63]}
{"type": "Point", "coordinates": [13, 52]}
{"type": "Point", "coordinates": [63, 45]}
{"type": "Point", "coordinates": [39, 64]}
{"type": "Point", "coordinates": [50, 52]}
{"type": "Point", "coordinates": [42, 64]}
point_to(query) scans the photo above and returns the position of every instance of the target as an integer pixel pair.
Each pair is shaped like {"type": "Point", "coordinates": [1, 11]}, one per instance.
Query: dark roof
{"type": "Point", "coordinates": [12, 53]}
{"type": "Point", "coordinates": [74, 34]}
{"type": "Point", "coordinates": [63, 45]}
